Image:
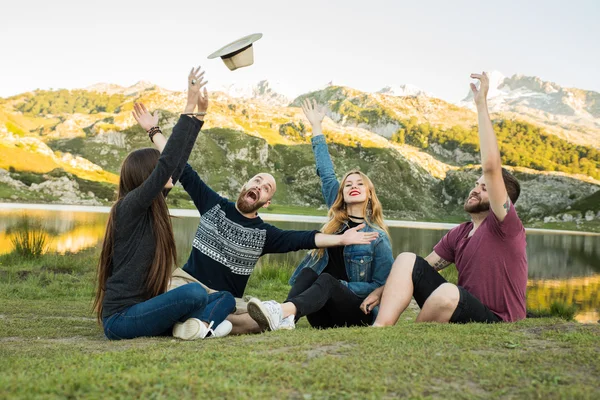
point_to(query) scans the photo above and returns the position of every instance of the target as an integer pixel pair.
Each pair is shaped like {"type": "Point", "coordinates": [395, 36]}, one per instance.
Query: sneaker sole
{"type": "Point", "coordinates": [259, 314]}
{"type": "Point", "coordinates": [287, 327]}
{"type": "Point", "coordinates": [187, 330]}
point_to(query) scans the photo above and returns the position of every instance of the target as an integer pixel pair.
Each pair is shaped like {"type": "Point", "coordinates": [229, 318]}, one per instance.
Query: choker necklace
{"type": "Point", "coordinates": [352, 216]}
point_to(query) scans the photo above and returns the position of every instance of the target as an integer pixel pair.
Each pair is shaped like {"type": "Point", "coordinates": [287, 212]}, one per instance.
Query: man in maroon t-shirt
{"type": "Point", "coordinates": [489, 252]}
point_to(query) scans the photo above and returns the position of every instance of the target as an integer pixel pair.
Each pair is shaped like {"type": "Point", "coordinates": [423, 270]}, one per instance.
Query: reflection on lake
{"type": "Point", "coordinates": [562, 267]}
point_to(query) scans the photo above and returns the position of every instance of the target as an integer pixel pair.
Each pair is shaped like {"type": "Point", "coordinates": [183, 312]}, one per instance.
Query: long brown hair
{"type": "Point", "coordinates": [136, 168]}
{"type": "Point", "coordinates": [338, 214]}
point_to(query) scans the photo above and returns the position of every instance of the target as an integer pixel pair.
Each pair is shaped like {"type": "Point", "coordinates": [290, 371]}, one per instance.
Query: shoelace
{"type": "Point", "coordinates": [210, 332]}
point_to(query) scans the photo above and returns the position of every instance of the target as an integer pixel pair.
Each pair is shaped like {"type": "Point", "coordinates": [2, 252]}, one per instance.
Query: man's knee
{"type": "Point", "coordinates": [445, 297]}
{"type": "Point", "coordinates": [404, 261]}
{"type": "Point", "coordinates": [405, 258]}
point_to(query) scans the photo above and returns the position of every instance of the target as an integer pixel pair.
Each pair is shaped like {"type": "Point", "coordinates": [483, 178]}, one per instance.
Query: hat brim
{"type": "Point", "coordinates": [236, 46]}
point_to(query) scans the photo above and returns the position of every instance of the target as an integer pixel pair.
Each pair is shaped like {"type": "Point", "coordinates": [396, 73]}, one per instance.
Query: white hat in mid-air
{"type": "Point", "coordinates": [238, 54]}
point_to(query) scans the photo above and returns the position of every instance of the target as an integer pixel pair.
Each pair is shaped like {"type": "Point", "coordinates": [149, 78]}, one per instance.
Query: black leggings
{"type": "Point", "coordinates": [326, 302]}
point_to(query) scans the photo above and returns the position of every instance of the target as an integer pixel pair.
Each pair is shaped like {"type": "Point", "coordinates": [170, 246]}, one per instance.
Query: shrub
{"type": "Point", "coordinates": [29, 239]}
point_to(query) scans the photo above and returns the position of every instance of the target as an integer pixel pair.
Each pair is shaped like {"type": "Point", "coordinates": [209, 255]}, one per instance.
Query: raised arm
{"type": "Point", "coordinates": [142, 197]}
{"type": "Point", "coordinates": [196, 96]}
{"type": "Point", "coordinates": [185, 130]}
{"type": "Point", "coordinates": [329, 183]}
{"type": "Point", "coordinates": [490, 154]}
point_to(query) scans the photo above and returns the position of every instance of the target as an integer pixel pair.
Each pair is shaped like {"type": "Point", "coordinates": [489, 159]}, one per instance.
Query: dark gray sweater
{"type": "Point", "coordinates": [134, 240]}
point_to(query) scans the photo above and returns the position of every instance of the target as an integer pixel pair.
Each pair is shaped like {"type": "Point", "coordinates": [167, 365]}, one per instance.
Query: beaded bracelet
{"type": "Point", "coordinates": [153, 131]}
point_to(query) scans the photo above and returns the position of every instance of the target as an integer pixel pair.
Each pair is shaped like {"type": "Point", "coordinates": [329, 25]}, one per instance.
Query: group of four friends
{"type": "Point", "coordinates": [348, 278]}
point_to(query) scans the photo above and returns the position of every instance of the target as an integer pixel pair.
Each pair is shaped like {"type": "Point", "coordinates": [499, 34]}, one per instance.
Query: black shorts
{"type": "Point", "coordinates": [426, 280]}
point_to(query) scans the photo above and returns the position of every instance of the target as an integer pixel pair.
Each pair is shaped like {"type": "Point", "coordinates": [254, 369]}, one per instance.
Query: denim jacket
{"type": "Point", "coordinates": [367, 265]}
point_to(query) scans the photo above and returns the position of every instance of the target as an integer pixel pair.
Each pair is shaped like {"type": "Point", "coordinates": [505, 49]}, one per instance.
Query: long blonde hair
{"type": "Point", "coordinates": [338, 213]}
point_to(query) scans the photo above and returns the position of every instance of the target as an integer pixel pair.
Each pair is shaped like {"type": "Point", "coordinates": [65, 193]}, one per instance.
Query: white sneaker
{"type": "Point", "coordinates": [223, 329]}
{"type": "Point", "coordinates": [288, 323]}
{"type": "Point", "coordinates": [191, 329]}
{"type": "Point", "coordinates": [268, 314]}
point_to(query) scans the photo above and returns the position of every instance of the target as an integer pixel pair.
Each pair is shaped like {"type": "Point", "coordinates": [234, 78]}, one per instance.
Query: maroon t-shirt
{"type": "Point", "coordinates": [491, 264]}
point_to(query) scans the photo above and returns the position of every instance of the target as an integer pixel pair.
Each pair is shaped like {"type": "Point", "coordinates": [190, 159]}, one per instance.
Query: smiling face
{"type": "Point", "coordinates": [256, 193]}
{"type": "Point", "coordinates": [355, 190]}
{"type": "Point", "coordinates": [478, 200]}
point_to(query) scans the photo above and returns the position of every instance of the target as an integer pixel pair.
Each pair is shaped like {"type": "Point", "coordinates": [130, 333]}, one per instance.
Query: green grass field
{"type": "Point", "coordinates": [52, 347]}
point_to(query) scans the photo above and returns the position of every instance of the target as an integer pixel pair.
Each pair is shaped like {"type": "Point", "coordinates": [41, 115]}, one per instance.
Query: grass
{"type": "Point", "coordinates": [51, 347]}
{"type": "Point", "coordinates": [28, 238]}
{"type": "Point", "coordinates": [557, 309]}
{"type": "Point", "coordinates": [584, 226]}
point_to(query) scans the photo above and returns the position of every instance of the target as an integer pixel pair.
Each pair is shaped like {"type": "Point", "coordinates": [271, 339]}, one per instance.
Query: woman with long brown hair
{"type": "Point", "coordinates": [139, 251]}
{"type": "Point", "coordinates": [329, 284]}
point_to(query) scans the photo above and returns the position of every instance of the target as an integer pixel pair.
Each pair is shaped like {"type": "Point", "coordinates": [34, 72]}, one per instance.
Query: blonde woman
{"type": "Point", "coordinates": [329, 285]}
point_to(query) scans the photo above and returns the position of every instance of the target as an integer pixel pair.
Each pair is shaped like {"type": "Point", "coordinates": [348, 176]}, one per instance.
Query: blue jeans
{"type": "Point", "coordinates": [156, 317]}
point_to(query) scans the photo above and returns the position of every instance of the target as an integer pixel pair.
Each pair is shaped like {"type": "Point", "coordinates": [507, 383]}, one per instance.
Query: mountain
{"type": "Point", "coordinates": [572, 114]}
{"type": "Point", "coordinates": [110, 88]}
{"type": "Point", "coordinates": [419, 150]}
{"type": "Point", "coordinates": [264, 91]}
{"type": "Point", "coordinates": [403, 90]}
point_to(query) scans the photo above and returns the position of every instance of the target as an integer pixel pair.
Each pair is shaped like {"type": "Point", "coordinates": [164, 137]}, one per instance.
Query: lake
{"type": "Point", "coordinates": [563, 266]}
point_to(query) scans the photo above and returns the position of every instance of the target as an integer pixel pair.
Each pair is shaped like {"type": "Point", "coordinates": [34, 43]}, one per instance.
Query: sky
{"type": "Point", "coordinates": [434, 45]}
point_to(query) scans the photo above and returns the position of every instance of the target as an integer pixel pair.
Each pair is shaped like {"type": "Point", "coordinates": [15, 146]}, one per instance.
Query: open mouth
{"type": "Point", "coordinates": [354, 193]}
{"type": "Point", "coordinates": [252, 196]}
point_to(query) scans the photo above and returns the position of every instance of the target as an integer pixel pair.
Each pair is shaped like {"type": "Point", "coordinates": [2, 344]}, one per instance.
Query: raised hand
{"type": "Point", "coordinates": [314, 113]}
{"type": "Point", "coordinates": [195, 83]}
{"type": "Point", "coordinates": [480, 95]}
{"type": "Point", "coordinates": [353, 236]}
{"type": "Point", "coordinates": [144, 117]}
{"type": "Point", "coordinates": [203, 101]}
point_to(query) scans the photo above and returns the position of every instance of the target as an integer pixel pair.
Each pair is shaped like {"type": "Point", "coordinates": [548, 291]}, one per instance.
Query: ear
{"type": "Point", "coordinates": [266, 204]}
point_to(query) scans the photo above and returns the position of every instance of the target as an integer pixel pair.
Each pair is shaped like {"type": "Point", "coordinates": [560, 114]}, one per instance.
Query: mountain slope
{"type": "Point", "coordinates": [417, 149]}
{"type": "Point", "coordinates": [572, 114]}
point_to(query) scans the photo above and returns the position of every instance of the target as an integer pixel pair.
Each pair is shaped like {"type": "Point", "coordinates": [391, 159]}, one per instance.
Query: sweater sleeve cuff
{"type": "Point", "coordinates": [312, 240]}
{"type": "Point", "coordinates": [194, 121]}
{"type": "Point", "coordinates": [318, 139]}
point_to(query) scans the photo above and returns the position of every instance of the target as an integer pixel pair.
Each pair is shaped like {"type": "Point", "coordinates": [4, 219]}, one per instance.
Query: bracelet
{"type": "Point", "coordinates": [153, 131]}
{"type": "Point", "coordinates": [198, 114]}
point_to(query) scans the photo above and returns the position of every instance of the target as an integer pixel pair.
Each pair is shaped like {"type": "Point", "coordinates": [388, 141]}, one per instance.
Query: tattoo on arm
{"type": "Point", "coordinates": [506, 205]}
{"type": "Point", "coordinates": [440, 264]}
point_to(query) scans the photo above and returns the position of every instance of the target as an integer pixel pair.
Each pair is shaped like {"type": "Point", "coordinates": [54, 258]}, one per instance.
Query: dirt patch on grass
{"type": "Point", "coordinates": [62, 271]}
{"type": "Point", "coordinates": [23, 275]}
{"type": "Point", "coordinates": [339, 349]}
{"type": "Point", "coordinates": [97, 344]}
{"type": "Point", "coordinates": [335, 350]}
{"type": "Point", "coordinates": [566, 328]}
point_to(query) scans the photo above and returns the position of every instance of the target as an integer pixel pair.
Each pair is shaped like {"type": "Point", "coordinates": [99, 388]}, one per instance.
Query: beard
{"type": "Point", "coordinates": [249, 201]}
{"type": "Point", "coordinates": [478, 207]}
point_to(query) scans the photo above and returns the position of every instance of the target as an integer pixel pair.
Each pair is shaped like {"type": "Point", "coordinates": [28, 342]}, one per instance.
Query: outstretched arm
{"type": "Point", "coordinates": [329, 183]}
{"type": "Point", "coordinates": [490, 154]}
{"type": "Point", "coordinates": [283, 241]}
{"type": "Point", "coordinates": [351, 236]}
